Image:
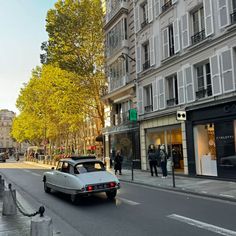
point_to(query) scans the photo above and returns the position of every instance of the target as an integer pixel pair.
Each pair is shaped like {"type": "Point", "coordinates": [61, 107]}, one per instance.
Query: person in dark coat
{"type": "Point", "coordinates": [118, 162]}
{"type": "Point", "coordinates": [152, 158]}
{"type": "Point", "coordinates": [163, 158]}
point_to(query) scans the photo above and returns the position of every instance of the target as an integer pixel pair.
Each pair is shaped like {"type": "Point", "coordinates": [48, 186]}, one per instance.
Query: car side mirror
{"type": "Point", "coordinates": [53, 168]}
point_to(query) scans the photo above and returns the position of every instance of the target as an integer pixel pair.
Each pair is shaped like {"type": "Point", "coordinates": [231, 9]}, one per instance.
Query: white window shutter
{"type": "Point", "coordinates": [157, 7]}
{"type": "Point", "coordinates": [140, 101]}
{"type": "Point", "coordinates": [161, 93]}
{"type": "Point", "coordinates": [136, 19]}
{"type": "Point", "coordinates": [188, 78]}
{"type": "Point", "coordinates": [181, 87]}
{"type": "Point", "coordinates": [208, 17]}
{"type": "Point", "coordinates": [185, 30]}
{"type": "Point", "coordinates": [176, 36]}
{"type": "Point", "coordinates": [152, 51]}
{"type": "Point", "coordinates": [155, 95]}
{"type": "Point", "coordinates": [223, 13]}
{"type": "Point", "coordinates": [215, 75]}
{"type": "Point", "coordinates": [165, 42]}
{"type": "Point", "coordinates": [150, 10]}
{"type": "Point", "coordinates": [227, 71]}
{"type": "Point", "coordinates": [138, 59]}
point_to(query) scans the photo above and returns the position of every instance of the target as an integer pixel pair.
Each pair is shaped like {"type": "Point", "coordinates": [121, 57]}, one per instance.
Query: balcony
{"type": "Point", "coordinates": [121, 118]}
{"type": "Point", "coordinates": [198, 37]}
{"type": "Point", "coordinates": [172, 102]}
{"type": "Point", "coordinates": [201, 93]}
{"type": "Point", "coordinates": [233, 17]}
{"type": "Point", "coordinates": [117, 83]}
{"type": "Point", "coordinates": [148, 108]}
{"type": "Point", "coordinates": [146, 65]}
{"type": "Point", "coordinates": [115, 8]}
{"type": "Point", "coordinates": [166, 6]}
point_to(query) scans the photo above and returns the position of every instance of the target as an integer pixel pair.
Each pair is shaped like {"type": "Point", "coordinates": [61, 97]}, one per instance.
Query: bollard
{"type": "Point", "coordinates": [9, 202]}
{"type": "Point", "coordinates": [2, 186]}
{"type": "Point", "coordinates": [41, 225]}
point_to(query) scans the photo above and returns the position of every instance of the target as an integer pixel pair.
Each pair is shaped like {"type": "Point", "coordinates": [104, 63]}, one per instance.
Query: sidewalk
{"type": "Point", "coordinates": [220, 189]}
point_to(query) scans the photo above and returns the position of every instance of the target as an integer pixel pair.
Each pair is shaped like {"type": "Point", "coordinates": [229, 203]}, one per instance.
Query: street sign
{"type": "Point", "coordinates": [181, 115]}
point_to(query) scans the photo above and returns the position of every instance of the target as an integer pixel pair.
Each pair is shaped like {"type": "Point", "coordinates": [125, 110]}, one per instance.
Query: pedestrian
{"type": "Point", "coordinates": [118, 162]}
{"type": "Point", "coordinates": [163, 158]}
{"type": "Point", "coordinates": [152, 158]}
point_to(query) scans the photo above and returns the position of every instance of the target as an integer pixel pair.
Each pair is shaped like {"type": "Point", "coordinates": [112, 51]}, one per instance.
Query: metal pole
{"type": "Point", "coordinates": [132, 170]}
{"type": "Point", "coordinates": [172, 162]}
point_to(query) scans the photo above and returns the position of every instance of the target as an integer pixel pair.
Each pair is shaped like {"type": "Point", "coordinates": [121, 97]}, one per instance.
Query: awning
{"type": "Point", "coordinates": [99, 138]}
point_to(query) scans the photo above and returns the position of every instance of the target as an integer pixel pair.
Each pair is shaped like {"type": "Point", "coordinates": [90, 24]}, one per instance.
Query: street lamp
{"type": "Point", "coordinates": [125, 56]}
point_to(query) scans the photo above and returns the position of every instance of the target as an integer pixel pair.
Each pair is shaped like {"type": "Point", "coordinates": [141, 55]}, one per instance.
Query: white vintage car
{"type": "Point", "coordinates": [81, 175]}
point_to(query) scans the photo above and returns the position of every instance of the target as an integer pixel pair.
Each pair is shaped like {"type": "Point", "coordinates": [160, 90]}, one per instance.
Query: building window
{"type": "Point", "coordinates": [168, 42]}
{"type": "Point", "coordinates": [148, 100]}
{"type": "Point", "coordinates": [166, 5]}
{"type": "Point", "coordinates": [172, 90]}
{"type": "Point", "coordinates": [146, 55]}
{"type": "Point", "coordinates": [144, 15]}
{"type": "Point", "coordinates": [198, 26]}
{"type": "Point", "coordinates": [203, 75]}
{"type": "Point", "coordinates": [233, 15]}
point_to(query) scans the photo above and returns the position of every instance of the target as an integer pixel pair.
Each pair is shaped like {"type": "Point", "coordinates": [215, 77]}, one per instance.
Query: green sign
{"type": "Point", "coordinates": [133, 115]}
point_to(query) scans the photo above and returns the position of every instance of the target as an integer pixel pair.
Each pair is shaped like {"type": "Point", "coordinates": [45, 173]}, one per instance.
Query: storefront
{"type": "Point", "coordinates": [171, 136]}
{"type": "Point", "coordinates": [211, 138]}
{"type": "Point", "coordinates": [127, 143]}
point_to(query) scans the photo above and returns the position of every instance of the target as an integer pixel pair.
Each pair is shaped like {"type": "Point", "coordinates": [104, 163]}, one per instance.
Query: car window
{"type": "Point", "coordinates": [89, 167]}
{"type": "Point", "coordinates": [59, 166]}
{"type": "Point", "coordinates": [65, 167]}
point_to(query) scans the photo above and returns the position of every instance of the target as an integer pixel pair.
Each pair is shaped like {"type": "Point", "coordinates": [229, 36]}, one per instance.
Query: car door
{"type": "Point", "coordinates": [59, 178]}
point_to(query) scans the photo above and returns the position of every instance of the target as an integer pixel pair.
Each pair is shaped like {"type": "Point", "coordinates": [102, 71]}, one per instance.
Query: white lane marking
{"type": "Point", "coordinates": [28, 171]}
{"type": "Point", "coordinates": [203, 225]}
{"type": "Point", "coordinates": [226, 195]}
{"type": "Point", "coordinates": [128, 201]}
{"type": "Point", "coordinates": [35, 174]}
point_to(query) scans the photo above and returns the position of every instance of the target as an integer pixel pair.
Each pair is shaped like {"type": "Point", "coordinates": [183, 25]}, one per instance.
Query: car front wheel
{"type": "Point", "coordinates": [74, 198]}
{"type": "Point", "coordinates": [111, 194]}
{"type": "Point", "coordinates": [46, 188]}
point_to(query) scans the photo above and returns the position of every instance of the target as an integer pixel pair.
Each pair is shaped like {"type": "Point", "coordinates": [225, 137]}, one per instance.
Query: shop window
{"type": "Point", "coordinates": [172, 90]}
{"type": "Point", "coordinates": [205, 149]}
{"type": "Point", "coordinates": [148, 98]}
{"type": "Point", "coordinates": [203, 80]}
{"type": "Point", "coordinates": [198, 26]}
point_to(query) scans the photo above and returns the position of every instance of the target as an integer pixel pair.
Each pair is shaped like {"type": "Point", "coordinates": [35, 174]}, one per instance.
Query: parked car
{"type": "Point", "coordinates": [228, 161]}
{"type": "Point", "coordinates": [2, 157]}
{"type": "Point", "coordinates": [80, 176]}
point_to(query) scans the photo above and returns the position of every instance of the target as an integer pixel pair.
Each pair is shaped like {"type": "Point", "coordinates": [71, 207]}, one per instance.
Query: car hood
{"type": "Point", "coordinates": [97, 177]}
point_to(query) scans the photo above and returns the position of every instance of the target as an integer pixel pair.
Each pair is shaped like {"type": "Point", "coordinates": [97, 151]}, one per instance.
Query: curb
{"type": "Point", "coordinates": [183, 190]}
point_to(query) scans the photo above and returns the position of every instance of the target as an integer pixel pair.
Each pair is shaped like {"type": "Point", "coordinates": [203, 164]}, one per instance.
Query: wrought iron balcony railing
{"type": "Point", "coordinates": [146, 65]}
{"type": "Point", "coordinates": [166, 6]}
{"type": "Point", "coordinates": [148, 108]}
{"type": "Point", "coordinates": [198, 37]}
{"type": "Point", "coordinates": [171, 102]}
{"type": "Point", "coordinates": [144, 23]}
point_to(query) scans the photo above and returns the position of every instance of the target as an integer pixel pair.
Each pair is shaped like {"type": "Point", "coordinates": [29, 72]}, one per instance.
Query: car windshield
{"type": "Point", "coordinates": [89, 167]}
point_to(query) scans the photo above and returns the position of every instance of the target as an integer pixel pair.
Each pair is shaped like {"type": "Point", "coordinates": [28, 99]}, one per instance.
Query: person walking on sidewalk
{"type": "Point", "coordinates": [152, 158]}
{"type": "Point", "coordinates": [163, 157]}
{"type": "Point", "coordinates": [118, 162]}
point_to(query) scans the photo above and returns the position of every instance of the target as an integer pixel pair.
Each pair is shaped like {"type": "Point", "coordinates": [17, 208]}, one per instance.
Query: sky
{"type": "Point", "coordinates": [22, 30]}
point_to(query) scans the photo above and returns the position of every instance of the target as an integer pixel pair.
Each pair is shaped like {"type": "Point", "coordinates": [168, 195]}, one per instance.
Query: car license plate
{"type": "Point", "coordinates": [100, 186]}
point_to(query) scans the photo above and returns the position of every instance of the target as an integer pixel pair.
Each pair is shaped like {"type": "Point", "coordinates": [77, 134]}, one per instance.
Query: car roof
{"type": "Point", "coordinates": [74, 160]}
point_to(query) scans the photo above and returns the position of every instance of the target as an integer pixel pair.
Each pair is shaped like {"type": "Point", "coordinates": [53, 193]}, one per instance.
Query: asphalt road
{"type": "Point", "coordinates": [137, 210]}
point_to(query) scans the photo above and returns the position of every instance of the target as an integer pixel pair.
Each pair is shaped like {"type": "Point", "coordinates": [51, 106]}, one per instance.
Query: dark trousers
{"type": "Point", "coordinates": [163, 168]}
{"type": "Point", "coordinates": [153, 165]}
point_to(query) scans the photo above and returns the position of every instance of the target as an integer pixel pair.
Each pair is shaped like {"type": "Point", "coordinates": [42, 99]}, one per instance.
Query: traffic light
{"type": "Point", "coordinates": [181, 115]}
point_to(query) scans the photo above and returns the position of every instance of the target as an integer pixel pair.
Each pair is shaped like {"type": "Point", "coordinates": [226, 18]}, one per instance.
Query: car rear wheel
{"type": "Point", "coordinates": [46, 188]}
{"type": "Point", "coordinates": [111, 194]}
{"type": "Point", "coordinates": [74, 198]}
